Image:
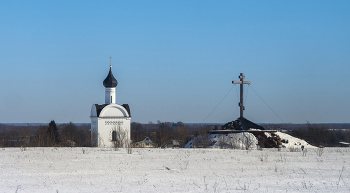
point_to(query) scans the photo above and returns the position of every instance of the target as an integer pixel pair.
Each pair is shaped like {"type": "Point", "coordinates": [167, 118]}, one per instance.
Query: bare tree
{"type": "Point", "coordinates": [182, 133]}
{"type": "Point", "coordinates": [68, 135]}
{"type": "Point", "coordinates": [222, 141]}
{"type": "Point", "coordinates": [75, 135]}
{"type": "Point", "coordinates": [205, 140]}
{"type": "Point", "coordinates": [41, 138]}
{"type": "Point", "coordinates": [119, 137]}
{"type": "Point", "coordinates": [197, 142]}
{"type": "Point", "coordinates": [94, 138]}
{"type": "Point", "coordinates": [137, 132]}
{"type": "Point", "coordinates": [249, 141]}
{"type": "Point", "coordinates": [164, 135]}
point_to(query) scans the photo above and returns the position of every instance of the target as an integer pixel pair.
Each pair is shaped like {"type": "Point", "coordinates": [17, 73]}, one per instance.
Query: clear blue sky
{"type": "Point", "coordinates": [175, 60]}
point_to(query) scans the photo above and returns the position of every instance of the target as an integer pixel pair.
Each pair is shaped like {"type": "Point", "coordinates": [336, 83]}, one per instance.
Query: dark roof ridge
{"type": "Point", "coordinates": [99, 108]}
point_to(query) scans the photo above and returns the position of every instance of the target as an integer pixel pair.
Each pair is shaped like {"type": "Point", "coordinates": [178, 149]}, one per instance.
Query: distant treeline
{"type": "Point", "coordinates": [161, 133]}
{"type": "Point", "coordinates": [79, 135]}
{"type": "Point", "coordinates": [12, 135]}
{"type": "Point", "coordinates": [322, 135]}
{"type": "Point", "coordinates": [320, 125]}
{"type": "Point", "coordinates": [319, 134]}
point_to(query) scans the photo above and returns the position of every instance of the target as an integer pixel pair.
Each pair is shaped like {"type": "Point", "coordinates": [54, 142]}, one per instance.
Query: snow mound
{"type": "Point", "coordinates": [242, 140]}
{"type": "Point", "coordinates": [289, 141]}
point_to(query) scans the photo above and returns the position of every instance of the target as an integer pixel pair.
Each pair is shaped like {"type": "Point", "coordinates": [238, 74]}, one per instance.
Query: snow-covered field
{"type": "Point", "coordinates": [174, 170]}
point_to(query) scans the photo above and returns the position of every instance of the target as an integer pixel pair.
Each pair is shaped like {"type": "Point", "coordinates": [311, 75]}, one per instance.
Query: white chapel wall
{"type": "Point", "coordinates": [107, 125]}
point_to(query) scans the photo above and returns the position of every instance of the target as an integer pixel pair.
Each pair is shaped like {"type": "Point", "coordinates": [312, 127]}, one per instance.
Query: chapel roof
{"type": "Point", "coordinates": [110, 81]}
{"type": "Point", "coordinates": [99, 108]}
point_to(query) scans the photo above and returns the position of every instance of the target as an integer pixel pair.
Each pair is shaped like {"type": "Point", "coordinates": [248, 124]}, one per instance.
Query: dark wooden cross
{"type": "Point", "coordinates": [241, 82]}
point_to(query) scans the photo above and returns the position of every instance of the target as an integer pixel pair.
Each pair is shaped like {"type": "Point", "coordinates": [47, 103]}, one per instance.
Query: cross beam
{"type": "Point", "coordinates": [241, 82]}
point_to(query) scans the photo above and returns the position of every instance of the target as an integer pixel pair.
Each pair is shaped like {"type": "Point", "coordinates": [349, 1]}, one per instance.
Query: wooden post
{"type": "Point", "coordinates": [241, 82]}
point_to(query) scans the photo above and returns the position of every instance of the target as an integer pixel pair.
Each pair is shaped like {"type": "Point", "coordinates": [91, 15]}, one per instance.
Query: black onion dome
{"type": "Point", "coordinates": [110, 81]}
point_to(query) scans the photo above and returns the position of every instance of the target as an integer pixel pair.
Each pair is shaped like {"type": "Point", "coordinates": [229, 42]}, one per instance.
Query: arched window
{"type": "Point", "coordinates": [114, 136]}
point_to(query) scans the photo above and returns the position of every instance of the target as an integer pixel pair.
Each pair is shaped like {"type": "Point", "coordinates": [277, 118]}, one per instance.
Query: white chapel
{"type": "Point", "coordinates": [110, 122]}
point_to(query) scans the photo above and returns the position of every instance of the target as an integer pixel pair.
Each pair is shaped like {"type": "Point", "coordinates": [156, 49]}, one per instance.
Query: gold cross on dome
{"type": "Point", "coordinates": [110, 61]}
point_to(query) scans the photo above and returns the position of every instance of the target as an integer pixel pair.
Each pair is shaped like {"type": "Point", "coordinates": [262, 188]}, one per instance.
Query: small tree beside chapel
{"type": "Point", "coordinates": [53, 134]}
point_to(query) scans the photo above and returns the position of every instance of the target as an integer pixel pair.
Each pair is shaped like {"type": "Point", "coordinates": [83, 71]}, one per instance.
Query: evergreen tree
{"type": "Point", "coordinates": [52, 131]}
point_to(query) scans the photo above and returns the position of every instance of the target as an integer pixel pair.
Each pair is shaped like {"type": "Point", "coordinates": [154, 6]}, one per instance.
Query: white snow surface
{"type": "Point", "coordinates": [231, 140]}
{"type": "Point", "coordinates": [293, 142]}
{"type": "Point", "coordinates": [173, 170]}
{"type": "Point", "coordinates": [239, 141]}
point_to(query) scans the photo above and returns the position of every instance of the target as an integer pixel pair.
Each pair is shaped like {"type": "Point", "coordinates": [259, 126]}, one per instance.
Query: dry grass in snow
{"type": "Point", "coordinates": [173, 170]}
